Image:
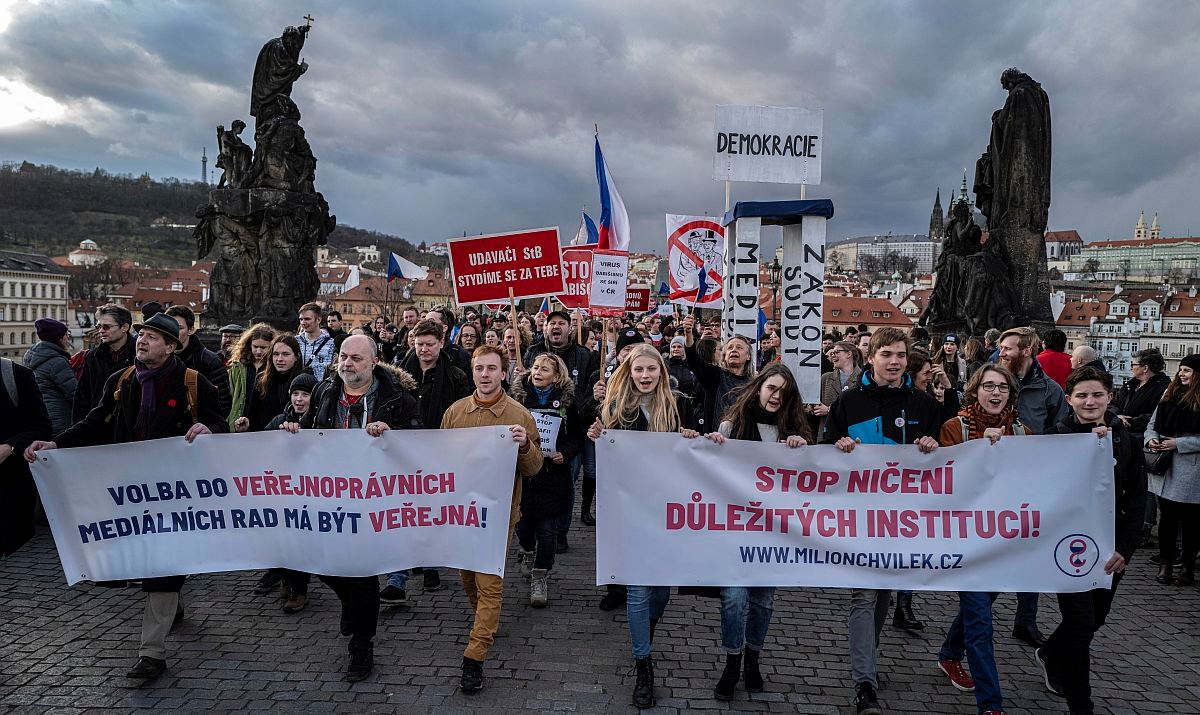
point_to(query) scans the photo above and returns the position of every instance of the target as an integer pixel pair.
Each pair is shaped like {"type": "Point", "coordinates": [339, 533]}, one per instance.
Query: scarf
{"type": "Point", "coordinates": [757, 415]}
{"type": "Point", "coordinates": [542, 393]}
{"type": "Point", "coordinates": [1174, 418]}
{"type": "Point", "coordinates": [978, 420]}
{"type": "Point", "coordinates": [149, 380]}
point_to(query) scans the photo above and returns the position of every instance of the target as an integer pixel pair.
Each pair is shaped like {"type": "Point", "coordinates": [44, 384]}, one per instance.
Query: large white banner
{"type": "Point", "coordinates": [695, 246]}
{"type": "Point", "coordinates": [1032, 513]}
{"type": "Point", "coordinates": [780, 145]}
{"type": "Point", "coordinates": [330, 502]}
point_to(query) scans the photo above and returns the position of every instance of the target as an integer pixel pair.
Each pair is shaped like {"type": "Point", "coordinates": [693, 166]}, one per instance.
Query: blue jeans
{"type": "Point", "coordinates": [971, 634]}
{"type": "Point", "coordinates": [399, 579]}
{"type": "Point", "coordinates": [745, 616]}
{"type": "Point", "coordinates": [641, 604]}
{"type": "Point", "coordinates": [537, 534]}
{"type": "Point", "coordinates": [564, 521]}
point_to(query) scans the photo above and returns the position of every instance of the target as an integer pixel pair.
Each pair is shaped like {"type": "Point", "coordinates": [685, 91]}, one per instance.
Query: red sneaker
{"type": "Point", "coordinates": [959, 677]}
{"type": "Point", "coordinates": [994, 712]}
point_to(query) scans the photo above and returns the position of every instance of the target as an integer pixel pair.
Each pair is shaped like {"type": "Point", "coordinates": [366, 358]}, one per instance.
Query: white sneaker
{"type": "Point", "coordinates": [539, 588]}
{"type": "Point", "coordinates": [525, 562]}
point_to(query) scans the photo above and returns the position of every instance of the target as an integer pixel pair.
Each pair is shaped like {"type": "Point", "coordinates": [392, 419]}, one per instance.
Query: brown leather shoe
{"type": "Point", "coordinates": [295, 603]}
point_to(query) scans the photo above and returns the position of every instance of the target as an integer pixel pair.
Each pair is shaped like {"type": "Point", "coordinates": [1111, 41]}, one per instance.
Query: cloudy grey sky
{"type": "Point", "coordinates": [434, 118]}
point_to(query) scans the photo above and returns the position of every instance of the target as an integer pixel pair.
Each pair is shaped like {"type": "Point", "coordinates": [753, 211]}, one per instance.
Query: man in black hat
{"type": "Point", "coordinates": [151, 309]}
{"type": "Point", "coordinates": [157, 397]}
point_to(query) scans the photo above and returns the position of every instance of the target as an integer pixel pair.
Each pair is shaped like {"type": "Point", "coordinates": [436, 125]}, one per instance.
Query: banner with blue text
{"type": "Point", "coordinates": [330, 502]}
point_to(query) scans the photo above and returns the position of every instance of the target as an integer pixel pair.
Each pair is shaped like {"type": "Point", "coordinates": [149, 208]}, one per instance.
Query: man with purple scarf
{"type": "Point", "coordinates": [149, 403]}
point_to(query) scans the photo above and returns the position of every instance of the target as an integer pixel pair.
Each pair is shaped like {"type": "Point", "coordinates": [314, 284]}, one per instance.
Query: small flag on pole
{"type": "Point", "coordinates": [587, 233]}
{"type": "Point", "coordinates": [762, 323]}
{"type": "Point", "coordinates": [544, 309]}
{"type": "Point", "coordinates": [401, 268]}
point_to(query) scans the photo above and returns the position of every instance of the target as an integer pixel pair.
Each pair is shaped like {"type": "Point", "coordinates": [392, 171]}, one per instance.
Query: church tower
{"type": "Point", "coordinates": [1139, 231]}
{"type": "Point", "coordinates": [1155, 231]}
{"type": "Point", "coordinates": [937, 219]}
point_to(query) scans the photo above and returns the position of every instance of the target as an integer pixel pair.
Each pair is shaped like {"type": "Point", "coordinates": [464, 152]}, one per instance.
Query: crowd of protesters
{"type": "Point", "coordinates": [442, 369]}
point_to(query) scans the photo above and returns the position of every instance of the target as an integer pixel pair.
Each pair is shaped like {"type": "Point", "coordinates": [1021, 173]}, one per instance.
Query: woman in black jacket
{"type": "Point", "coordinates": [547, 392]}
{"type": "Point", "coordinates": [768, 409]}
{"type": "Point", "coordinates": [1135, 404]}
{"type": "Point", "coordinates": [639, 398]}
{"type": "Point", "coordinates": [1065, 658]}
{"type": "Point", "coordinates": [23, 421]}
{"type": "Point", "coordinates": [272, 389]}
{"type": "Point", "coordinates": [719, 382]}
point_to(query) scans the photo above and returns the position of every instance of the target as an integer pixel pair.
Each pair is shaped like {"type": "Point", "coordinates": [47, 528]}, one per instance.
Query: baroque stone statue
{"type": "Point", "coordinates": [265, 216]}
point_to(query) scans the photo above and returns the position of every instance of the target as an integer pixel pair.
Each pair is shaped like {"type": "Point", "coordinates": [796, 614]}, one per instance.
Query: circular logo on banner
{"type": "Point", "coordinates": [1076, 555]}
{"type": "Point", "coordinates": [899, 421]}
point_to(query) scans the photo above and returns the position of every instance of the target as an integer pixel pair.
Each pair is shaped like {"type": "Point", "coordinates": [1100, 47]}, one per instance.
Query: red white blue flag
{"type": "Point", "coordinates": [614, 221]}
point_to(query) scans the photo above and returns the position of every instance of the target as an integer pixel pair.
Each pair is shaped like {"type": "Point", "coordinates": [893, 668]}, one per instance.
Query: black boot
{"type": "Point", "coordinates": [1166, 574]}
{"type": "Point", "coordinates": [754, 679]}
{"type": "Point", "coordinates": [472, 676]}
{"type": "Point", "coordinates": [727, 685]}
{"type": "Point", "coordinates": [585, 508]}
{"type": "Point", "coordinates": [904, 618]}
{"type": "Point", "coordinates": [362, 662]}
{"type": "Point", "coordinates": [643, 689]}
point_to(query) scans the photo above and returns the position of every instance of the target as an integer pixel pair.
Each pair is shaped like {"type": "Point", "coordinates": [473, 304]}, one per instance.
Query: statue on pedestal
{"type": "Point", "coordinates": [265, 214]}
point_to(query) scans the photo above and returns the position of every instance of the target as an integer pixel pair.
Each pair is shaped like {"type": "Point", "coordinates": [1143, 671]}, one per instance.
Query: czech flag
{"type": "Point", "coordinates": [401, 268]}
{"type": "Point", "coordinates": [614, 221]}
{"type": "Point", "coordinates": [587, 233]}
{"type": "Point", "coordinates": [545, 306]}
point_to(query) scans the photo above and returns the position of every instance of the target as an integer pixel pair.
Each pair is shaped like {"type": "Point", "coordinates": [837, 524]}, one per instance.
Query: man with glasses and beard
{"type": "Point", "coordinates": [1041, 405]}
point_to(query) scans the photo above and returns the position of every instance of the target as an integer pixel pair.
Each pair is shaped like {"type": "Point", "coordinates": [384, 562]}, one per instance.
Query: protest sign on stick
{"type": "Point", "coordinates": [610, 273]}
{"type": "Point", "coordinates": [637, 300]}
{"type": "Point", "coordinates": [695, 259]}
{"type": "Point", "coordinates": [517, 265]}
{"type": "Point", "coordinates": [577, 277]}
{"type": "Point", "coordinates": [779, 145]}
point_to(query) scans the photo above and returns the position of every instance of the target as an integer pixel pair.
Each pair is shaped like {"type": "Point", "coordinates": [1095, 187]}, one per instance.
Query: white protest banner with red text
{"type": "Point", "coordinates": [577, 277]}
{"type": "Point", "coordinates": [1032, 514]}
{"type": "Point", "coordinates": [637, 300]}
{"type": "Point", "coordinates": [484, 268]}
{"type": "Point", "coordinates": [610, 275]}
{"type": "Point", "coordinates": [330, 502]}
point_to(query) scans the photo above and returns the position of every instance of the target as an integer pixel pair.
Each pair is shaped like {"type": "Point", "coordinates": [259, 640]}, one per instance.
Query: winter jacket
{"type": "Point", "coordinates": [113, 421]}
{"type": "Point", "coordinates": [241, 387]}
{"type": "Point", "coordinates": [549, 492]}
{"type": "Point", "coordinates": [393, 404]}
{"type": "Point", "coordinates": [682, 404]}
{"type": "Point", "coordinates": [436, 389]}
{"type": "Point", "coordinates": [720, 389]}
{"type": "Point", "coordinates": [877, 414]}
{"type": "Point", "coordinates": [1129, 479]}
{"type": "Point", "coordinates": [1041, 403]}
{"type": "Point", "coordinates": [1137, 401]}
{"type": "Point", "coordinates": [52, 367]}
{"type": "Point", "coordinates": [1181, 483]}
{"type": "Point", "coordinates": [98, 365]}
{"type": "Point", "coordinates": [21, 425]}
{"type": "Point", "coordinates": [580, 361]}
{"type": "Point", "coordinates": [1056, 365]}
{"type": "Point", "coordinates": [264, 407]}
{"type": "Point", "coordinates": [288, 415]}
{"type": "Point", "coordinates": [206, 362]}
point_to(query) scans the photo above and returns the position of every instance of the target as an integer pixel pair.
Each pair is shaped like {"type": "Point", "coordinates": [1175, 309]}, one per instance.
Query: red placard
{"type": "Point", "coordinates": [577, 277]}
{"type": "Point", "coordinates": [637, 300]}
{"type": "Point", "coordinates": [484, 268]}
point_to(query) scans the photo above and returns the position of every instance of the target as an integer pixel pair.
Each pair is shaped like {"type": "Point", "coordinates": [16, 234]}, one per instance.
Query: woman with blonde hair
{"type": "Point", "coordinates": [249, 356]}
{"type": "Point", "coordinates": [639, 397]}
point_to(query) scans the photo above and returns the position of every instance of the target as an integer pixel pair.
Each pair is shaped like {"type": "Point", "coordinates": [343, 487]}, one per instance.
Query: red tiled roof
{"type": "Point", "coordinates": [840, 310]}
{"type": "Point", "coordinates": [1068, 236]}
{"type": "Point", "coordinates": [1077, 313]}
{"type": "Point", "coordinates": [1135, 243]}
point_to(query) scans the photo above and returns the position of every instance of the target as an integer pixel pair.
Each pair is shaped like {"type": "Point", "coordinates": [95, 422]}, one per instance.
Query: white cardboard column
{"type": "Point", "coordinates": [743, 276]}
{"type": "Point", "coordinates": [728, 302]}
{"type": "Point", "coordinates": [802, 293]}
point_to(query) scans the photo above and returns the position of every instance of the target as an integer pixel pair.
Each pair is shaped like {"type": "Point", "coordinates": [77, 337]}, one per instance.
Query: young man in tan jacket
{"type": "Point", "coordinates": [488, 405]}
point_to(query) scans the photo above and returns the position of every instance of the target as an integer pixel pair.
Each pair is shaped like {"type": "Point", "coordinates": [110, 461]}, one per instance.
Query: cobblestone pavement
{"type": "Point", "coordinates": [66, 649]}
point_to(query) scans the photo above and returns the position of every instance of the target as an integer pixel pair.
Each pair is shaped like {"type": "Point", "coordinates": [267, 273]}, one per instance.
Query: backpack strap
{"type": "Point", "coordinates": [1019, 429]}
{"type": "Point", "coordinates": [9, 378]}
{"type": "Point", "coordinates": [962, 422]}
{"type": "Point", "coordinates": [191, 380]}
{"type": "Point", "coordinates": [316, 350]}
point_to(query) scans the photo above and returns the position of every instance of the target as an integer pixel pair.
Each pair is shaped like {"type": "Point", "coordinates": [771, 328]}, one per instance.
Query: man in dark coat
{"type": "Point", "coordinates": [362, 395]}
{"type": "Point", "coordinates": [115, 352]}
{"type": "Point", "coordinates": [127, 413]}
{"type": "Point", "coordinates": [201, 359]}
{"type": "Point", "coordinates": [439, 384]}
{"type": "Point", "coordinates": [580, 361]}
{"type": "Point", "coordinates": [50, 360]}
{"type": "Point", "coordinates": [23, 420]}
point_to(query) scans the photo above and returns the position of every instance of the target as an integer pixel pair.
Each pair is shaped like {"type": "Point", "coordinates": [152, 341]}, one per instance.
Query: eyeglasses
{"type": "Point", "coordinates": [1138, 364]}
{"type": "Point", "coordinates": [106, 326]}
{"type": "Point", "coordinates": [994, 387]}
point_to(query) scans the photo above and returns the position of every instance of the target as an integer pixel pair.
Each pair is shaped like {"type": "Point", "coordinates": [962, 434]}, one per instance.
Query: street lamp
{"type": "Point", "coordinates": [774, 270]}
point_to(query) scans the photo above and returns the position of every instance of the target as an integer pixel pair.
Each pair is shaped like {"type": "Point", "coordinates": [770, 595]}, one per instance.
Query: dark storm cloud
{"type": "Point", "coordinates": [430, 119]}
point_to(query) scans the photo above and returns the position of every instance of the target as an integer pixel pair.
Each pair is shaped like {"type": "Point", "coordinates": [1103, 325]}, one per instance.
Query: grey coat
{"type": "Point", "coordinates": [1181, 483]}
{"type": "Point", "coordinates": [52, 367]}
